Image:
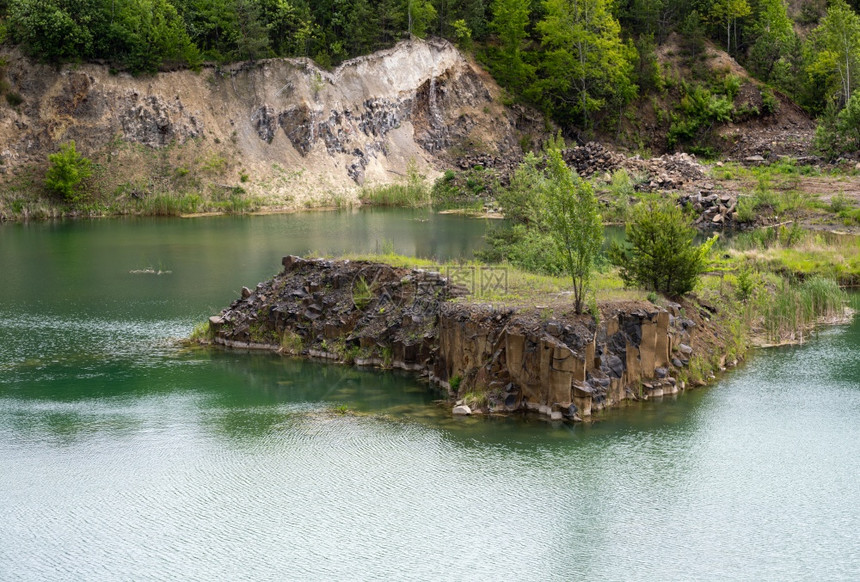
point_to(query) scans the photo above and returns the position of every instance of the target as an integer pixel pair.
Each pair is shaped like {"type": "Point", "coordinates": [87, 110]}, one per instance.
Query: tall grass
{"type": "Point", "coordinates": [169, 204]}
{"type": "Point", "coordinates": [412, 193]}
{"type": "Point", "coordinates": [396, 195]}
{"type": "Point", "coordinates": [793, 308]}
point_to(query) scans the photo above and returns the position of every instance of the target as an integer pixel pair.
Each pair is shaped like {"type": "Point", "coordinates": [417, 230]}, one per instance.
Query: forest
{"type": "Point", "coordinates": [580, 62]}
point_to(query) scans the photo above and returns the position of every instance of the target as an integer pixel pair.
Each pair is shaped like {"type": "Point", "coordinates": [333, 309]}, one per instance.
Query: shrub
{"type": "Point", "coordinates": [769, 102]}
{"type": "Point", "coordinates": [68, 169]}
{"type": "Point", "coordinates": [659, 254]}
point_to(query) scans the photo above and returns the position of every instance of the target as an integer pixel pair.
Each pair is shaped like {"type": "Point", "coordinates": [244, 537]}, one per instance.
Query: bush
{"type": "Point", "coordinates": [769, 102]}
{"type": "Point", "coordinates": [838, 133]}
{"type": "Point", "coordinates": [659, 254]}
{"type": "Point", "coordinates": [68, 170]}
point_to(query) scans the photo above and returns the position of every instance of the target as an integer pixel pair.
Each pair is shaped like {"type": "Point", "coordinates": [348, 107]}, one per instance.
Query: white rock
{"type": "Point", "coordinates": [462, 410]}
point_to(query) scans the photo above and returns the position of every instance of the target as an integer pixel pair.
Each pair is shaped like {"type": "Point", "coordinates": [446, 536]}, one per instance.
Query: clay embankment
{"type": "Point", "coordinates": [513, 359]}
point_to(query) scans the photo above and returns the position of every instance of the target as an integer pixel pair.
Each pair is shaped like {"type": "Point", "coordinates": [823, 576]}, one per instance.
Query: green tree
{"type": "Point", "coordinates": [53, 29]}
{"type": "Point", "coordinates": [728, 12]}
{"type": "Point", "coordinates": [510, 19]}
{"type": "Point", "coordinates": [774, 38]}
{"type": "Point", "coordinates": [585, 64]}
{"type": "Point", "coordinates": [659, 254]}
{"type": "Point", "coordinates": [572, 220]}
{"type": "Point", "coordinates": [838, 132]}
{"type": "Point", "coordinates": [420, 15]}
{"type": "Point", "coordinates": [67, 170]}
{"type": "Point", "coordinates": [834, 48]}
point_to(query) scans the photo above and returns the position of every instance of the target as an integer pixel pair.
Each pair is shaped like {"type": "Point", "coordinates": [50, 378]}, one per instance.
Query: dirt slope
{"type": "Point", "coordinates": [280, 128]}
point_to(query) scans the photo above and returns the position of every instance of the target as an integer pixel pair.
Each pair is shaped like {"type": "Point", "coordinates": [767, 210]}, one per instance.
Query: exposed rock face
{"type": "Point", "coordinates": [363, 121]}
{"type": "Point", "coordinates": [375, 314]}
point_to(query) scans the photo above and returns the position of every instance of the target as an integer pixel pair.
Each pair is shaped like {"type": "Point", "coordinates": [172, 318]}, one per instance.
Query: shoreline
{"type": "Point", "coordinates": [489, 357]}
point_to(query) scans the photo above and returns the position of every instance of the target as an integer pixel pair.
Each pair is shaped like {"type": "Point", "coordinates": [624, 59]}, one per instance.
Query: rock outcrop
{"type": "Point", "coordinates": [285, 126]}
{"type": "Point", "coordinates": [519, 359]}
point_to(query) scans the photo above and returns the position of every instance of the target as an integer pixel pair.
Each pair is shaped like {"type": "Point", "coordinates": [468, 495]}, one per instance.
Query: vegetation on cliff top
{"type": "Point", "coordinates": [580, 62]}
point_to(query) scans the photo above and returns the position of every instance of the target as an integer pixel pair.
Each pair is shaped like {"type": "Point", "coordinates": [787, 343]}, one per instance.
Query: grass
{"type": "Point", "coordinates": [790, 308]}
{"type": "Point", "coordinates": [202, 332]}
{"type": "Point", "coordinates": [505, 283]}
{"type": "Point", "coordinates": [799, 254]}
{"type": "Point", "coordinates": [412, 192]}
{"type": "Point", "coordinates": [780, 172]}
{"type": "Point", "coordinates": [291, 342]}
{"type": "Point", "coordinates": [408, 195]}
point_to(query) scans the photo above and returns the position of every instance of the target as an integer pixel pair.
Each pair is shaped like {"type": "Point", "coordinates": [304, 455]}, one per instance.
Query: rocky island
{"type": "Point", "coordinates": [489, 357]}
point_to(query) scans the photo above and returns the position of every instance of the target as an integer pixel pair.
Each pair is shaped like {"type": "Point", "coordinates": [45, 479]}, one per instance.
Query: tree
{"type": "Point", "coordinates": [510, 19]}
{"type": "Point", "coordinates": [835, 47]}
{"type": "Point", "coordinates": [659, 254]}
{"type": "Point", "coordinates": [52, 29]}
{"type": "Point", "coordinates": [585, 63]}
{"type": "Point", "coordinates": [839, 132]}
{"type": "Point", "coordinates": [68, 169]}
{"type": "Point", "coordinates": [420, 14]}
{"type": "Point", "coordinates": [729, 11]}
{"type": "Point", "coordinates": [774, 38]}
{"type": "Point", "coordinates": [572, 220]}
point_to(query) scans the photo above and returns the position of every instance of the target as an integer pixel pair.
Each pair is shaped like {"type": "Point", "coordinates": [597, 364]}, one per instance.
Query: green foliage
{"type": "Point", "coordinates": [728, 12]}
{"type": "Point", "coordinates": [585, 65]}
{"type": "Point", "coordinates": [510, 22]}
{"type": "Point", "coordinates": [464, 187]}
{"type": "Point", "coordinates": [769, 102]}
{"type": "Point", "coordinates": [14, 99]}
{"type": "Point", "coordinates": [745, 284]}
{"type": "Point", "coordinates": [67, 171]}
{"type": "Point", "coordinates": [555, 226]}
{"type": "Point", "coordinates": [455, 383]}
{"type": "Point", "coordinates": [659, 254]}
{"type": "Point", "coordinates": [291, 342]}
{"type": "Point", "coordinates": [202, 332]}
{"type": "Point", "coordinates": [141, 35]}
{"type": "Point", "coordinates": [790, 308]}
{"type": "Point", "coordinates": [697, 111]}
{"type": "Point", "coordinates": [839, 133]}
{"type": "Point", "coordinates": [834, 49]}
{"type": "Point", "coordinates": [569, 211]}
{"type": "Point", "coordinates": [420, 15]}
{"type": "Point", "coordinates": [519, 201]}
{"type": "Point", "coordinates": [362, 294]}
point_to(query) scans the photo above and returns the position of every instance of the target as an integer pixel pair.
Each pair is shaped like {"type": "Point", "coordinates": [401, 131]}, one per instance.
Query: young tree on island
{"type": "Point", "coordinates": [571, 217]}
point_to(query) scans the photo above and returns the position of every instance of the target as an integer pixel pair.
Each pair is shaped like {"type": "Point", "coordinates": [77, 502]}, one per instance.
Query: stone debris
{"type": "Point", "coordinates": [667, 172]}
{"type": "Point", "coordinates": [712, 210]}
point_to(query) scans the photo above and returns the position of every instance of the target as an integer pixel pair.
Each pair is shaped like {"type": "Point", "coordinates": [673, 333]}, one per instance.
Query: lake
{"type": "Point", "coordinates": [126, 456]}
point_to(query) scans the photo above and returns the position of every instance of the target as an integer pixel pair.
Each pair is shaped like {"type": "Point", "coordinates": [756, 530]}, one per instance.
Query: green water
{"type": "Point", "coordinates": [126, 457]}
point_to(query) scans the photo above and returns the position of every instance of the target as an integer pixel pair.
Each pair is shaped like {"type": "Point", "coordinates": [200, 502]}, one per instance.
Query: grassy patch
{"type": "Point", "coordinates": [412, 192]}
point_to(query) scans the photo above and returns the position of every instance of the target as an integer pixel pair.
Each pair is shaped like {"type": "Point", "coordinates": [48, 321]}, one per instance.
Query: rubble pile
{"type": "Point", "coordinates": [713, 209]}
{"type": "Point", "coordinates": [668, 172]}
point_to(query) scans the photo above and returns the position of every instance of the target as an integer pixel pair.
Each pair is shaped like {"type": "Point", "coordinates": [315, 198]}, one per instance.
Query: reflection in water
{"type": "Point", "coordinates": [128, 456]}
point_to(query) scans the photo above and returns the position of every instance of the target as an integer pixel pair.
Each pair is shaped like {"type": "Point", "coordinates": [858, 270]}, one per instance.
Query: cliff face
{"type": "Point", "coordinates": [515, 359]}
{"type": "Point", "coordinates": [281, 127]}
